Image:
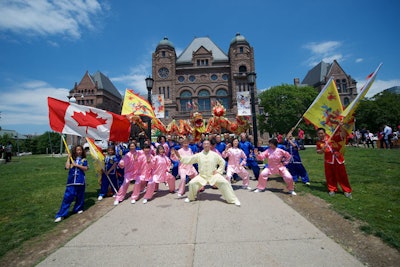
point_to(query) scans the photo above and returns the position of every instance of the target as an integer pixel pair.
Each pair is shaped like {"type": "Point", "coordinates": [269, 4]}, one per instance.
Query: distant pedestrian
{"type": "Point", "coordinates": [8, 150]}
{"type": "Point", "coordinates": [76, 165]}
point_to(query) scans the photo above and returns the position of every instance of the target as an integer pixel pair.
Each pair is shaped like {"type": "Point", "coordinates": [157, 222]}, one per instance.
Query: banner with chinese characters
{"type": "Point", "coordinates": [158, 105]}
{"type": "Point", "coordinates": [243, 103]}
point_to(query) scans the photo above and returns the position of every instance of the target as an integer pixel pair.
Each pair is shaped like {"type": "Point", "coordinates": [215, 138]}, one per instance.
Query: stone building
{"type": "Point", "coordinates": [97, 91]}
{"type": "Point", "coordinates": [202, 74]}
{"type": "Point", "coordinates": [319, 75]}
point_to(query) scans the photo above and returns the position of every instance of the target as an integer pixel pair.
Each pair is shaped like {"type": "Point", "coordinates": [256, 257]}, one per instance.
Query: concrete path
{"type": "Point", "coordinates": [166, 231]}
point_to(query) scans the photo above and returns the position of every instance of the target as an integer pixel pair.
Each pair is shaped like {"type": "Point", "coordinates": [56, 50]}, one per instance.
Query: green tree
{"type": "Point", "coordinates": [382, 108]}
{"type": "Point", "coordinates": [285, 105]}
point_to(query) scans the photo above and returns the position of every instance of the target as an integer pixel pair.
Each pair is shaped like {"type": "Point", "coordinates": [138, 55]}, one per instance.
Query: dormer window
{"type": "Point", "coordinates": [202, 62]}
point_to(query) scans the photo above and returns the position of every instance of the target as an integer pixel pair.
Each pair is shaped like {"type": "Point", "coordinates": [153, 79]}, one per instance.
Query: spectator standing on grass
{"type": "Point", "coordinates": [387, 136]}
{"type": "Point", "coordinates": [369, 139]}
{"type": "Point", "coordinates": [75, 190]}
{"type": "Point", "coordinates": [8, 150]}
{"type": "Point", "coordinates": [335, 170]}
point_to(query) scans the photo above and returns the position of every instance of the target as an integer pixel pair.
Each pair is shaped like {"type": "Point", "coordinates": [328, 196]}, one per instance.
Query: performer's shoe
{"type": "Point", "coordinates": [100, 198]}
{"type": "Point", "coordinates": [292, 193]}
{"type": "Point", "coordinates": [237, 202]}
{"type": "Point", "coordinates": [257, 190]}
{"type": "Point", "coordinates": [80, 212]}
{"type": "Point", "coordinates": [307, 183]}
{"type": "Point", "coordinates": [187, 200]}
{"type": "Point", "coordinates": [246, 187]}
{"type": "Point", "coordinates": [116, 202]}
{"type": "Point", "coordinates": [144, 201]}
{"type": "Point", "coordinates": [133, 201]}
{"type": "Point", "coordinates": [331, 193]}
{"type": "Point", "coordinates": [348, 195]}
{"type": "Point", "coordinates": [58, 219]}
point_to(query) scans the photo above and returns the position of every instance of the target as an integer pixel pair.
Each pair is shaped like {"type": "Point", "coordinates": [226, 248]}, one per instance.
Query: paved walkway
{"type": "Point", "coordinates": [166, 231]}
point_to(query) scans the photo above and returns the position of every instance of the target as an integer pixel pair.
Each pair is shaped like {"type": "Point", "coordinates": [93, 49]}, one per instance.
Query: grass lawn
{"type": "Point", "coordinates": [33, 187]}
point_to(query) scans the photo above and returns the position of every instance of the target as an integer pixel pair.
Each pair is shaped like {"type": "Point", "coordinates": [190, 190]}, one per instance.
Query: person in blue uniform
{"type": "Point", "coordinates": [248, 149]}
{"type": "Point", "coordinates": [109, 175]}
{"type": "Point", "coordinates": [76, 165]}
{"type": "Point", "coordinates": [295, 165]}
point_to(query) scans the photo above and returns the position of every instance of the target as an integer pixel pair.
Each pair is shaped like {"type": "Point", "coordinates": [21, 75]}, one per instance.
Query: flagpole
{"type": "Point", "coordinates": [66, 148]}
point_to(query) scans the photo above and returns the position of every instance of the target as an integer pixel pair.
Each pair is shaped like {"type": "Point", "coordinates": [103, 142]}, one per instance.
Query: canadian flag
{"type": "Point", "coordinates": [98, 124]}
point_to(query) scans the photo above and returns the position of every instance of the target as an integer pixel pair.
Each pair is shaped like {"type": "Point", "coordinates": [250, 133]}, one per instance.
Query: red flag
{"type": "Point", "coordinates": [69, 118]}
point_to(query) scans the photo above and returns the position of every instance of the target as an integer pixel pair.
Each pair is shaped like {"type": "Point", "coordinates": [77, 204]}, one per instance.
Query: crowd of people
{"type": "Point", "coordinates": [385, 138]}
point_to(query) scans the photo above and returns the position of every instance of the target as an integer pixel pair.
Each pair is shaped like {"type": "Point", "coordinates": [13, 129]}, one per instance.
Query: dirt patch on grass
{"type": "Point", "coordinates": [370, 250]}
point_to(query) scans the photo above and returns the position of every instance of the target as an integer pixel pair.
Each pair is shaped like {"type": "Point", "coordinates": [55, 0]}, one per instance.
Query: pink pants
{"type": "Point", "coordinates": [124, 187]}
{"type": "Point", "coordinates": [242, 174]}
{"type": "Point", "coordinates": [283, 172]}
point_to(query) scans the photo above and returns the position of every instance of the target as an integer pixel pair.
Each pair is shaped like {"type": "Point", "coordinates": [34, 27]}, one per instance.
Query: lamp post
{"type": "Point", "coordinates": [251, 79]}
{"type": "Point", "coordinates": [149, 86]}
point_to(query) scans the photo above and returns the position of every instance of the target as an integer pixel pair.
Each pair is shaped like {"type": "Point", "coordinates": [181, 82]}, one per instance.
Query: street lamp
{"type": "Point", "coordinates": [149, 86]}
{"type": "Point", "coordinates": [251, 79]}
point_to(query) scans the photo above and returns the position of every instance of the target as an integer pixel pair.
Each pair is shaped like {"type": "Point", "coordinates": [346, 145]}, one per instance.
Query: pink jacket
{"type": "Point", "coordinates": [161, 167]}
{"type": "Point", "coordinates": [277, 159]}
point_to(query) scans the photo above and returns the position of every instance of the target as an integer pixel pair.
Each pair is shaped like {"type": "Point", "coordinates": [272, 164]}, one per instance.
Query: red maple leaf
{"type": "Point", "coordinates": [89, 119]}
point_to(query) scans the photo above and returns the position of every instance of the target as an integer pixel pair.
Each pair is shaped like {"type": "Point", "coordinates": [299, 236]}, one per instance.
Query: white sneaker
{"type": "Point", "coordinates": [187, 200]}
{"type": "Point", "coordinates": [179, 195]}
{"type": "Point", "coordinates": [58, 219]}
{"type": "Point", "coordinates": [292, 193]}
{"type": "Point", "coordinates": [348, 195]}
{"type": "Point", "coordinates": [100, 198]}
{"type": "Point", "coordinates": [257, 190]}
{"type": "Point", "coordinates": [116, 202]}
{"type": "Point", "coordinates": [133, 201]}
{"type": "Point", "coordinates": [237, 202]}
{"type": "Point", "coordinates": [246, 187]}
{"type": "Point", "coordinates": [80, 212]}
{"type": "Point", "coordinates": [144, 201]}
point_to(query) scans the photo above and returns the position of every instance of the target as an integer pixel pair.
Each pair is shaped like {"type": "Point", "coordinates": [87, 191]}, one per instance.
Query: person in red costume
{"type": "Point", "coordinates": [335, 170]}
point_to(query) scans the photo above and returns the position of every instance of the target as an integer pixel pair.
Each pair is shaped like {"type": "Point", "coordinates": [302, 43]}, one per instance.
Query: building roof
{"type": "Point", "coordinates": [165, 42]}
{"type": "Point", "coordinates": [317, 74]}
{"type": "Point", "coordinates": [239, 39]}
{"type": "Point", "coordinates": [187, 54]}
{"type": "Point", "coordinates": [104, 83]}
{"type": "Point", "coordinates": [14, 134]}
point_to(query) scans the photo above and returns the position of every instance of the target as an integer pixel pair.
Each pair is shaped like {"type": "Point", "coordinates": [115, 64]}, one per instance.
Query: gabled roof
{"type": "Point", "coordinates": [187, 54]}
{"type": "Point", "coordinates": [317, 74]}
{"type": "Point", "coordinates": [104, 83]}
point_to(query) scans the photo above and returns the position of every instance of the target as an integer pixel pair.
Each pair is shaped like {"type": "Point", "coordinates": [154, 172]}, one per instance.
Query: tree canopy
{"type": "Point", "coordinates": [285, 105]}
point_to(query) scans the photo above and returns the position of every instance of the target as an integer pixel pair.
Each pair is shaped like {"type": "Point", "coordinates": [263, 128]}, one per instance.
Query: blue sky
{"type": "Point", "coordinates": [46, 46]}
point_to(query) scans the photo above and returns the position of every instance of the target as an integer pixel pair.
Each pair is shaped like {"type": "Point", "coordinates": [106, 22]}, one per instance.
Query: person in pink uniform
{"type": "Point", "coordinates": [145, 165]}
{"type": "Point", "coordinates": [161, 174]}
{"type": "Point", "coordinates": [184, 169]}
{"type": "Point", "coordinates": [236, 163]}
{"type": "Point", "coordinates": [277, 159]}
{"type": "Point", "coordinates": [130, 163]}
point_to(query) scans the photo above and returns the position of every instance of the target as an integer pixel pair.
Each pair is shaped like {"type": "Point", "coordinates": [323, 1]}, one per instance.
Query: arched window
{"type": "Point", "coordinates": [185, 100]}
{"type": "Point", "coordinates": [242, 69]}
{"type": "Point", "coordinates": [204, 100]}
{"type": "Point", "coordinates": [346, 101]}
{"type": "Point", "coordinates": [222, 97]}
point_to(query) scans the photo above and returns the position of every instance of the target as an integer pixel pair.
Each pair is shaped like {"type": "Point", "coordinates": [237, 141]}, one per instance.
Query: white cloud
{"type": "Point", "coordinates": [358, 60]}
{"type": "Point", "coordinates": [26, 104]}
{"type": "Point", "coordinates": [46, 17]}
{"type": "Point", "coordinates": [326, 51]}
{"type": "Point", "coordinates": [378, 86]}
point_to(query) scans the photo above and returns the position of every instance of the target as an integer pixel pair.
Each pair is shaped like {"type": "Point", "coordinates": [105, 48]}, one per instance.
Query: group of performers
{"type": "Point", "coordinates": [214, 160]}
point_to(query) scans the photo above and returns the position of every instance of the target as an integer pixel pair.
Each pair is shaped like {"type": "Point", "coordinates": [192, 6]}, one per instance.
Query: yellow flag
{"type": "Point", "coordinates": [135, 104]}
{"type": "Point", "coordinates": [325, 111]}
{"type": "Point", "coordinates": [97, 155]}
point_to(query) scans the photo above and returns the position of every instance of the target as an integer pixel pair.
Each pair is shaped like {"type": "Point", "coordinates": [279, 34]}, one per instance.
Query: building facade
{"type": "Point", "coordinates": [202, 74]}
{"type": "Point", "coordinates": [97, 91]}
{"type": "Point", "coordinates": [318, 76]}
